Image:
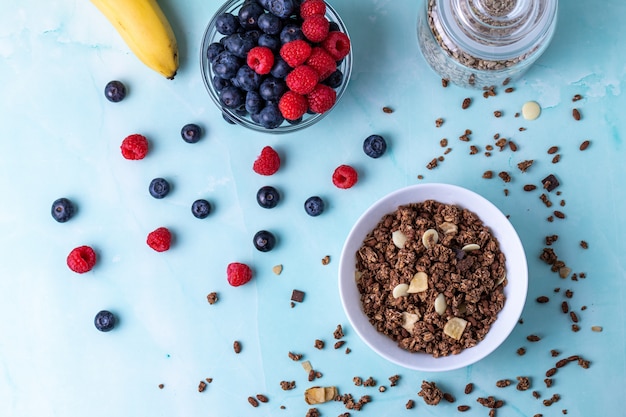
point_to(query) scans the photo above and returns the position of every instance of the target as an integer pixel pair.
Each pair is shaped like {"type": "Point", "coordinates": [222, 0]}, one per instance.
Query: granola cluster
{"type": "Point", "coordinates": [464, 272]}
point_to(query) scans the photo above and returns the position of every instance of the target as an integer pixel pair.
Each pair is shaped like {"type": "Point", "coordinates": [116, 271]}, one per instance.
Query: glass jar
{"type": "Point", "coordinates": [484, 43]}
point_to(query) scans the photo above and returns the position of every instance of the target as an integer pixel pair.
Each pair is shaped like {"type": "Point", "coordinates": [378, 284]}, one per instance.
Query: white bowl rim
{"type": "Point", "coordinates": [515, 290]}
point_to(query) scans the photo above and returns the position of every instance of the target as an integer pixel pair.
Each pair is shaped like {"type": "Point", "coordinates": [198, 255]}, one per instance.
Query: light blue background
{"type": "Point", "coordinates": [60, 137]}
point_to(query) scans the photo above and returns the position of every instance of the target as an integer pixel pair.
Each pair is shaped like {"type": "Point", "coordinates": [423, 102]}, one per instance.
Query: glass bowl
{"type": "Point", "coordinates": [211, 35]}
{"type": "Point", "coordinates": [515, 289]}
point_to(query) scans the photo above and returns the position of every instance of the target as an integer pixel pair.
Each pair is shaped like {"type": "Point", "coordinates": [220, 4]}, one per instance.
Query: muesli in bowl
{"type": "Point", "coordinates": [433, 277]}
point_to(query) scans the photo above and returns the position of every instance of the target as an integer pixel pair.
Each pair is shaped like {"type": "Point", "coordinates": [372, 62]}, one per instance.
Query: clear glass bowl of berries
{"type": "Point", "coordinates": [276, 66]}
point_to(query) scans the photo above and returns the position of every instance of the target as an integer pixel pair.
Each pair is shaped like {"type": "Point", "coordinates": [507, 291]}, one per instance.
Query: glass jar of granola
{"type": "Point", "coordinates": [484, 43]}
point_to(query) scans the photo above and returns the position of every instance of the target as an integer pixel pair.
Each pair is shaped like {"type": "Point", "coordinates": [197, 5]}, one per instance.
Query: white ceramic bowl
{"type": "Point", "coordinates": [515, 290]}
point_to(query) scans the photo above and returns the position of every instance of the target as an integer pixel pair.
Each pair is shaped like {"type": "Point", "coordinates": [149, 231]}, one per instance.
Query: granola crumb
{"type": "Point", "coordinates": [326, 260]}
{"type": "Point", "coordinates": [212, 297]}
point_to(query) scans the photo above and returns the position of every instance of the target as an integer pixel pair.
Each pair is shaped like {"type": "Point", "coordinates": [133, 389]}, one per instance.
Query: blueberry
{"type": "Point", "coordinates": [104, 321]}
{"type": "Point", "coordinates": [270, 117]}
{"type": "Point", "coordinates": [239, 44]}
{"type": "Point", "coordinates": [226, 65]}
{"type": "Point", "coordinates": [314, 206]}
{"type": "Point", "coordinates": [247, 79]}
{"type": "Point", "coordinates": [254, 102]}
{"type": "Point", "coordinates": [334, 80]}
{"type": "Point", "coordinates": [249, 15]}
{"type": "Point", "coordinates": [281, 8]}
{"type": "Point", "coordinates": [232, 97]}
{"type": "Point", "coordinates": [264, 241]}
{"type": "Point", "coordinates": [269, 41]}
{"type": "Point", "coordinates": [272, 89]}
{"type": "Point", "coordinates": [220, 83]}
{"type": "Point", "coordinates": [214, 50]}
{"type": "Point", "coordinates": [201, 209]}
{"type": "Point", "coordinates": [159, 188]}
{"type": "Point", "coordinates": [295, 121]}
{"type": "Point", "coordinates": [115, 91]}
{"type": "Point", "coordinates": [334, 27]}
{"type": "Point", "coordinates": [62, 210]}
{"type": "Point", "coordinates": [191, 133]}
{"type": "Point", "coordinates": [270, 23]}
{"type": "Point", "coordinates": [374, 146]}
{"type": "Point", "coordinates": [291, 32]}
{"type": "Point", "coordinates": [267, 197]}
{"type": "Point", "coordinates": [280, 69]}
{"type": "Point", "coordinates": [227, 23]}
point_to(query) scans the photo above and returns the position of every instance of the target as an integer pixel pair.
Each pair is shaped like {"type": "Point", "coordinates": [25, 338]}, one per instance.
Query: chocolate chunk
{"type": "Point", "coordinates": [550, 182]}
{"type": "Point", "coordinates": [297, 296]}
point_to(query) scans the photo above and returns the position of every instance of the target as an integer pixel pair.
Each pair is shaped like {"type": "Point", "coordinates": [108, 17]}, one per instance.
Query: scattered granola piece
{"type": "Point", "coordinates": [326, 260]}
{"type": "Point", "coordinates": [237, 346]}
{"type": "Point", "coordinates": [277, 269]}
{"type": "Point", "coordinates": [319, 344]}
{"type": "Point", "coordinates": [212, 298]}
{"type": "Point", "coordinates": [338, 333]}
{"type": "Point", "coordinates": [431, 394]}
{"type": "Point", "coordinates": [387, 110]}
{"type": "Point", "coordinates": [201, 386]}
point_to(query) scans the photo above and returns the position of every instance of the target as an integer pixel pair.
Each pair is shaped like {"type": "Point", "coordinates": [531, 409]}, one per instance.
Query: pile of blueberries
{"type": "Point", "coordinates": [269, 23]}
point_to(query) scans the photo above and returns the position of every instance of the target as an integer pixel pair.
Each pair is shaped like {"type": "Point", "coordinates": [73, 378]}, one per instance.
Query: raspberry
{"type": "Point", "coordinates": [295, 52]}
{"type": "Point", "coordinates": [302, 79]}
{"type": "Point", "coordinates": [322, 98]}
{"type": "Point", "coordinates": [292, 105]}
{"type": "Point", "coordinates": [81, 259]}
{"type": "Point", "coordinates": [134, 147]}
{"type": "Point", "coordinates": [159, 239]}
{"type": "Point", "coordinates": [238, 274]}
{"type": "Point", "coordinates": [345, 176]}
{"type": "Point", "coordinates": [315, 27]}
{"type": "Point", "coordinates": [260, 59]}
{"type": "Point", "coordinates": [337, 44]}
{"type": "Point", "coordinates": [267, 163]}
{"type": "Point", "coordinates": [312, 7]}
{"type": "Point", "coordinates": [322, 62]}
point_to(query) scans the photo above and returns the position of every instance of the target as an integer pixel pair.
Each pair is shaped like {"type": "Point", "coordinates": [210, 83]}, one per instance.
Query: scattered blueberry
{"type": "Point", "coordinates": [191, 133]}
{"type": "Point", "coordinates": [264, 241]}
{"type": "Point", "coordinates": [267, 197]}
{"type": "Point", "coordinates": [314, 206]}
{"type": "Point", "coordinates": [159, 188]}
{"type": "Point", "coordinates": [201, 209]}
{"type": "Point", "coordinates": [115, 91]}
{"type": "Point", "coordinates": [62, 210]}
{"type": "Point", "coordinates": [374, 146]}
{"type": "Point", "coordinates": [104, 321]}
{"type": "Point", "coordinates": [227, 24]}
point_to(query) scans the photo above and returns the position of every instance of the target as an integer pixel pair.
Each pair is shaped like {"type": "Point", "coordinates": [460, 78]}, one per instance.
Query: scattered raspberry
{"type": "Point", "coordinates": [134, 147]}
{"type": "Point", "coordinates": [322, 98]}
{"type": "Point", "coordinates": [160, 239]}
{"type": "Point", "coordinates": [345, 176]}
{"type": "Point", "coordinates": [267, 163]}
{"type": "Point", "coordinates": [302, 79]}
{"type": "Point", "coordinates": [337, 44]}
{"type": "Point", "coordinates": [81, 259]}
{"type": "Point", "coordinates": [238, 274]}
{"type": "Point", "coordinates": [312, 7]}
{"type": "Point", "coordinates": [315, 27]}
{"type": "Point", "coordinates": [260, 59]}
{"type": "Point", "coordinates": [295, 52]}
{"type": "Point", "coordinates": [322, 62]}
{"type": "Point", "coordinates": [292, 105]}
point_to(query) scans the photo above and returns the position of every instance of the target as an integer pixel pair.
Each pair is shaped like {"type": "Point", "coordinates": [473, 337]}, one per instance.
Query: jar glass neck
{"type": "Point", "coordinates": [501, 27]}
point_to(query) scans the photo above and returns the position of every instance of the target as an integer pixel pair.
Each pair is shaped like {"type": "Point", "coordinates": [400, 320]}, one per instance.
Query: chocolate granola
{"type": "Point", "coordinates": [465, 272]}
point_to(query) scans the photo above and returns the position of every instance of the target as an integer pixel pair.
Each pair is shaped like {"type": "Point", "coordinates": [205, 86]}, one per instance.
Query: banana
{"type": "Point", "coordinates": [146, 31]}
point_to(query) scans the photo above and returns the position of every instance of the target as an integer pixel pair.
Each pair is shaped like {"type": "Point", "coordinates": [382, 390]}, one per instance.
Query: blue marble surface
{"type": "Point", "coordinates": [60, 137]}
